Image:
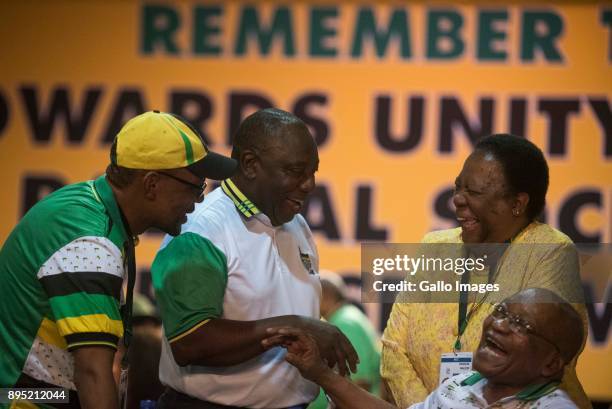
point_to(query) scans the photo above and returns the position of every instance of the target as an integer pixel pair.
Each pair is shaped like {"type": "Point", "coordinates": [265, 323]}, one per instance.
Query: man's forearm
{"type": "Point", "coordinates": [94, 379]}
{"type": "Point", "coordinates": [347, 395]}
{"type": "Point", "coordinates": [222, 342]}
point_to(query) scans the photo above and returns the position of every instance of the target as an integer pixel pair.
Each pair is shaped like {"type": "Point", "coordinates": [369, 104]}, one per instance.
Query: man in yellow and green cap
{"type": "Point", "coordinates": [63, 266]}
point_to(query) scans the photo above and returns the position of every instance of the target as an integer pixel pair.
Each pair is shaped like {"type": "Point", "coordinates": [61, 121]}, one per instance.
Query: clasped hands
{"type": "Point", "coordinates": [314, 349]}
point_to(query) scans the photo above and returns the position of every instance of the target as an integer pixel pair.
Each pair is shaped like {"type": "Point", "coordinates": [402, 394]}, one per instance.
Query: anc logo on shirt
{"type": "Point", "coordinates": [305, 257]}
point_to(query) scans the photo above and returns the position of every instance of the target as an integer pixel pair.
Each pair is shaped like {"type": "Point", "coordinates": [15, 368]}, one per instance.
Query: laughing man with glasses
{"type": "Point", "coordinates": [525, 345]}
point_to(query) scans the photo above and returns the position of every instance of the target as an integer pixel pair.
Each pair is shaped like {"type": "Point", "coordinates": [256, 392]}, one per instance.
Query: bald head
{"type": "Point", "coordinates": [333, 293]}
{"type": "Point", "coordinates": [554, 318]}
{"type": "Point", "coordinates": [264, 129]}
{"type": "Point", "coordinates": [333, 284]}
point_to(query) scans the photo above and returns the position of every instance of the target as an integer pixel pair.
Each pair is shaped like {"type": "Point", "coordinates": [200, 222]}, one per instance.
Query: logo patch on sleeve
{"type": "Point", "coordinates": [307, 262]}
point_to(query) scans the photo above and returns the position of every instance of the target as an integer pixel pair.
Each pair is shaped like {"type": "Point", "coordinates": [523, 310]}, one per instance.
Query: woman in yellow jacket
{"type": "Point", "coordinates": [499, 194]}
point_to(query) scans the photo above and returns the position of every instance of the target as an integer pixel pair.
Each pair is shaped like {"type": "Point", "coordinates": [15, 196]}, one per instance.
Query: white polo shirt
{"type": "Point", "coordinates": [230, 262]}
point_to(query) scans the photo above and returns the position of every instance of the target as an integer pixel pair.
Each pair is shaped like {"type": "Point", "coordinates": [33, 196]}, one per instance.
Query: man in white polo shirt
{"type": "Point", "coordinates": [245, 261]}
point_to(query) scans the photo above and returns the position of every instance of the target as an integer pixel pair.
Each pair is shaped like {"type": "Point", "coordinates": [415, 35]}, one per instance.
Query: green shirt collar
{"type": "Point", "coordinates": [242, 203]}
{"type": "Point", "coordinates": [107, 197]}
{"type": "Point", "coordinates": [531, 392]}
{"type": "Point", "coordinates": [472, 379]}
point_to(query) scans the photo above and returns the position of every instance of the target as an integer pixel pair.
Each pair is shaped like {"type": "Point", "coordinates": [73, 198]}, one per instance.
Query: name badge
{"type": "Point", "coordinates": [452, 364]}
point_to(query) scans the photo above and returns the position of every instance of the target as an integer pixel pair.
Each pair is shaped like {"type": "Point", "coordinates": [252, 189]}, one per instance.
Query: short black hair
{"type": "Point", "coordinates": [119, 176]}
{"type": "Point", "coordinates": [257, 128]}
{"type": "Point", "coordinates": [524, 167]}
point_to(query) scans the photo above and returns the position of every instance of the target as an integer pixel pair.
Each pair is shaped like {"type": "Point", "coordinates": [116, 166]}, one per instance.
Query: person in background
{"type": "Point", "coordinates": [525, 343]}
{"type": "Point", "coordinates": [145, 315]}
{"type": "Point", "coordinates": [63, 266]}
{"type": "Point", "coordinates": [145, 319]}
{"type": "Point", "coordinates": [143, 376]}
{"type": "Point", "coordinates": [245, 260]}
{"type": "Point", "coordinates": [145, 349]}
{"type": "Point", "coordinates": [338, 311]}
{"type": "Point", "coordinates": [498, 196]}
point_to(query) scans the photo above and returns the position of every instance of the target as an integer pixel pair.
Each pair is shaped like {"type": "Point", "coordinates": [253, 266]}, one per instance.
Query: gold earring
{"type": "Point", "coordinates": [516, 212]}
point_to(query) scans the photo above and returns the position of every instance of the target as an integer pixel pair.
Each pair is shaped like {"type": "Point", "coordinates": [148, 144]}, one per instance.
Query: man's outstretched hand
{"type": "Point", "coordinates": [333, 346]}
{"type": "Point", "coordinates": [302, 351]}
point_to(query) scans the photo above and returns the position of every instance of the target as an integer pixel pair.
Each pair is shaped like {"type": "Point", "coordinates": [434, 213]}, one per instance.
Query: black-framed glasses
{"type": "Point", "coordinates": [518, 324]}
{"type": "Point", "coordinates": [199, 188]}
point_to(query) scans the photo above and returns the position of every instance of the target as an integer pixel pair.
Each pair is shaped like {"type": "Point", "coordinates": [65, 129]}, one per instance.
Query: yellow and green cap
{"type": "Point", "coordinates": [158, 140]}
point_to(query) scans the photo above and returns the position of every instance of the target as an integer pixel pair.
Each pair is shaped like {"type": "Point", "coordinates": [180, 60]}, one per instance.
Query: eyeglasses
{"type": "Point", "coordinates": [199, 188]}
{"type": "Point", "coordinates": [517, 324]}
